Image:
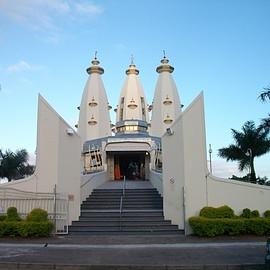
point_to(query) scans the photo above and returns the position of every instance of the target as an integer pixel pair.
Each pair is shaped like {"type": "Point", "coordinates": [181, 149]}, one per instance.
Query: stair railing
{"type": "Point", "coordinates": [124, 186]}
{"type": "Point", "coordinates": [120, 213]}
{"type": "Point", "coordinates": [121, 203]}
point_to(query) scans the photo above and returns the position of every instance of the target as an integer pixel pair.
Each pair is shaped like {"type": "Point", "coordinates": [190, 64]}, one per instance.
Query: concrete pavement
{"type": "Point", "coordinates": [188, 255]}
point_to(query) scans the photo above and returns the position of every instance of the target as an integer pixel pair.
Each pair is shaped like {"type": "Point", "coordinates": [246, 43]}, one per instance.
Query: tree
{"type": "Point", "coordinates": [265, 95]}
{"type": "Point", "coordinates": [265, 122]}
{"type": "Point", "coordinates": [249, 143]}
{"type": "Point", "coordinates": [14, 164]}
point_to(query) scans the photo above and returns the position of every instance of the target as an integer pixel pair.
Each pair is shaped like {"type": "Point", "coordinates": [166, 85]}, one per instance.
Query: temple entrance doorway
{"type": "Point", "coordinates": [129, 164]}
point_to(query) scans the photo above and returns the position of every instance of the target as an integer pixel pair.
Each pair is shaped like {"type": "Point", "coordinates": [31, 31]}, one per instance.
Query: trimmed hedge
{"type": "Point", "coordinates": [36, 224]}
{"type": "Point", "coordinates": [266, 214]}
{"type": "Point", "coordinates": [224, 226]}
{"type": "Point", "coordinates": [3, 217]}
{"type": "Point", "coordinates": [255, 214]}
{"type": "Point", "coordinates": [25, 228]}
{"type": "Point", "coordinates": [219, 212]}
{"type": "Point", "coordinates": [37, 215]}
{"type": "Point", "coordinates": [12, 214]}
{"type": "Point", "coordinates": [247, 213]}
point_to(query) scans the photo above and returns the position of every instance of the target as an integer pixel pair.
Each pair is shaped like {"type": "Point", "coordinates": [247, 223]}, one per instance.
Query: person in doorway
{"type": "Point", "coordinates": [133, 170]}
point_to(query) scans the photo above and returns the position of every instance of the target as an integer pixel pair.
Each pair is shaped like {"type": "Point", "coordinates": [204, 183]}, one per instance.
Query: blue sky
{"type": "Point", "coordinates": [221, 47]}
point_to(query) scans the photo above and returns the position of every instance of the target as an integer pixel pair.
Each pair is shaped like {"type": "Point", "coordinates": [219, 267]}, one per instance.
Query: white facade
{"type": "Point", "coordinates": [166, 105]}
{"type": "Point", "coordinates": [94, 119]}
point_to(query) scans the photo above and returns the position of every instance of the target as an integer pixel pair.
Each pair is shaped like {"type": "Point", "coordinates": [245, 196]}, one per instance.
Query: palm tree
{"type": "Point", "coordinates": [14, 164]}
{"type": "Point", "coordinates": [249, 143]}
{"type": "Point", "coordinates": [265, 122]}
{"type": "Point", "coordinates": [265, 95]}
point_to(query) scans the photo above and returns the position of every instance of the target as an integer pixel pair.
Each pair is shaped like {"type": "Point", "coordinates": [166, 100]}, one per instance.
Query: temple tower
{"type": "Point", "coordinates": [132, 114]}
{"type": "Point", "coordinates": [94, 119]}
{"type": "Point", "coordinates": [166, 103]}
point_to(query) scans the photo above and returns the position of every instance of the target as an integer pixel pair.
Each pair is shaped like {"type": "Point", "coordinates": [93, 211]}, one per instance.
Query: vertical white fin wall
{"type": "Point", "coordinates": [58, 159]}
{"type": "Point", "coordinates": [184, 164]}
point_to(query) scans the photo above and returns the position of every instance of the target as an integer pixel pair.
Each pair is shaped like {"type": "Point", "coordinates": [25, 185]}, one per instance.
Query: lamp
{"type": "Point", "coordinates": [70, 131]}
{"type": "Point", "coordinates": [169, 131]}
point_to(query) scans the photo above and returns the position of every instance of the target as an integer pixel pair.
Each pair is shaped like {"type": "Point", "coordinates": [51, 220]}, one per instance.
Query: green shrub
{"type": "Point", "coordinates": [25, 229]}
{"type": "Point", "coordinates": [12, 214]}
{"type": "Point", "coordinates": [37, 215]}
{"type": "Point", "coordinates": [205, 226]}
{"type": "Point", "coordinates": [266, 214]}
{"type": "Point", "coordinates": [234, 226]}
{"type": "Point", "coordinates": [220, 226]}
{"type": "Point", "coordinates": [255, 214]}
{"type": "Point", "coordinates": [246, 213]}
{"type": "Point", "coordinates": [258, 226]}
{"type": "Point", "coordinates": [9, 228]}
{"type": "Point", "coordinates": [219, 212]}
{"type": "Point", "coordinates": [3, 217]}
{"type": "Point", "coordinates": [35, 229]}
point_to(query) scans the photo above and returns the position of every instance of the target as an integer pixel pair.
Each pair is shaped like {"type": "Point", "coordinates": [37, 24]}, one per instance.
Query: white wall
{"type": "Point", "coordinates": [173, 174]}
{"type": "Point", "coordinates": [58, 159]}
{"type": "Point", "coordinates": [91, 181]}
{"type": "Point", "coordinates": [156, 181]}
{"type": "Point", "coordinates": [186, 179]}
{"type": "Point", "coordinates": [238, 195]}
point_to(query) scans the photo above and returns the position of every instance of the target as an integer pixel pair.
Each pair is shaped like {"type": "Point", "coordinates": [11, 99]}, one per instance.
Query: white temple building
{"type": "Point", "coordinates": [137, 139]}
{"type": "Point", "coordinates": [156, 149]}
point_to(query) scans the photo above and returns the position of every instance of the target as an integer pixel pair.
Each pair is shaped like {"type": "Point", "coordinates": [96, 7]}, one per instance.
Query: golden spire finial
{"type": "Point", "coordinates": [95, 68]}
{"type": "Point", "coordinates": [164, 64]}
{"type": "Point", "coordinates": [95, 61]}
{"type": "Point", "coordinates": [164, 60]}
{"type": "Point", "coordinates": [132, 60]}
{"type": "Point", "coordinates": [132, 67]}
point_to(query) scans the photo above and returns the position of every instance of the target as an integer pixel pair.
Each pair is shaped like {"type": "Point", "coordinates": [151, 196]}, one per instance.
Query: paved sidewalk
{"type": "Point", "coordinates": [134, 239]}
{"type": "Point", "coordinates": [64, 253]}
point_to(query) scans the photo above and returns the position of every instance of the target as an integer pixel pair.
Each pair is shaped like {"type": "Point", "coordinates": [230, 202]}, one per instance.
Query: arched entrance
{"type": "Point", "coordinates": [130, 164]}
{"type": "Point", "coordinates": [128, 158]}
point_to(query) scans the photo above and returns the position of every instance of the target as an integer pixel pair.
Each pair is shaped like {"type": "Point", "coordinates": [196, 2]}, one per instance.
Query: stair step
{"type": "Point", "coordinates": [137, 233]}
{"type": "Point", "coordinates": [123, 203]}
{"type": "Point", "coordinates": [123, 228]}
{"type": "Point", "coordinates": [126, 190]}
{"type": "Point", "coordinates": [127, 195]}
{"type": "Point", "coordinates": [126, 199]}
{"type": "Point", "coordinates": [124, 219]}
{"type": "Point", "coordinates": [142, 213]}
{"type": "Point", "coordinates": [132, 224]}
{"type": "Point", "coordinates": [130, 213]}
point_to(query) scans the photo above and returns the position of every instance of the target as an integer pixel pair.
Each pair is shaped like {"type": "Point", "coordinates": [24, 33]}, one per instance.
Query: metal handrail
{"type": "Point", "coordinates": [124, 186]}
{"type": "Point", "coordinates": [120, 213]}
{"type": "Point", "coordinates": [121, 203]}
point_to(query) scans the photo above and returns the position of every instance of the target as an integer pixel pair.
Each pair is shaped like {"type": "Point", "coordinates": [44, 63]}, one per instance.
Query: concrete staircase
{"type": "Point", "coordinates": [142, 213]}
